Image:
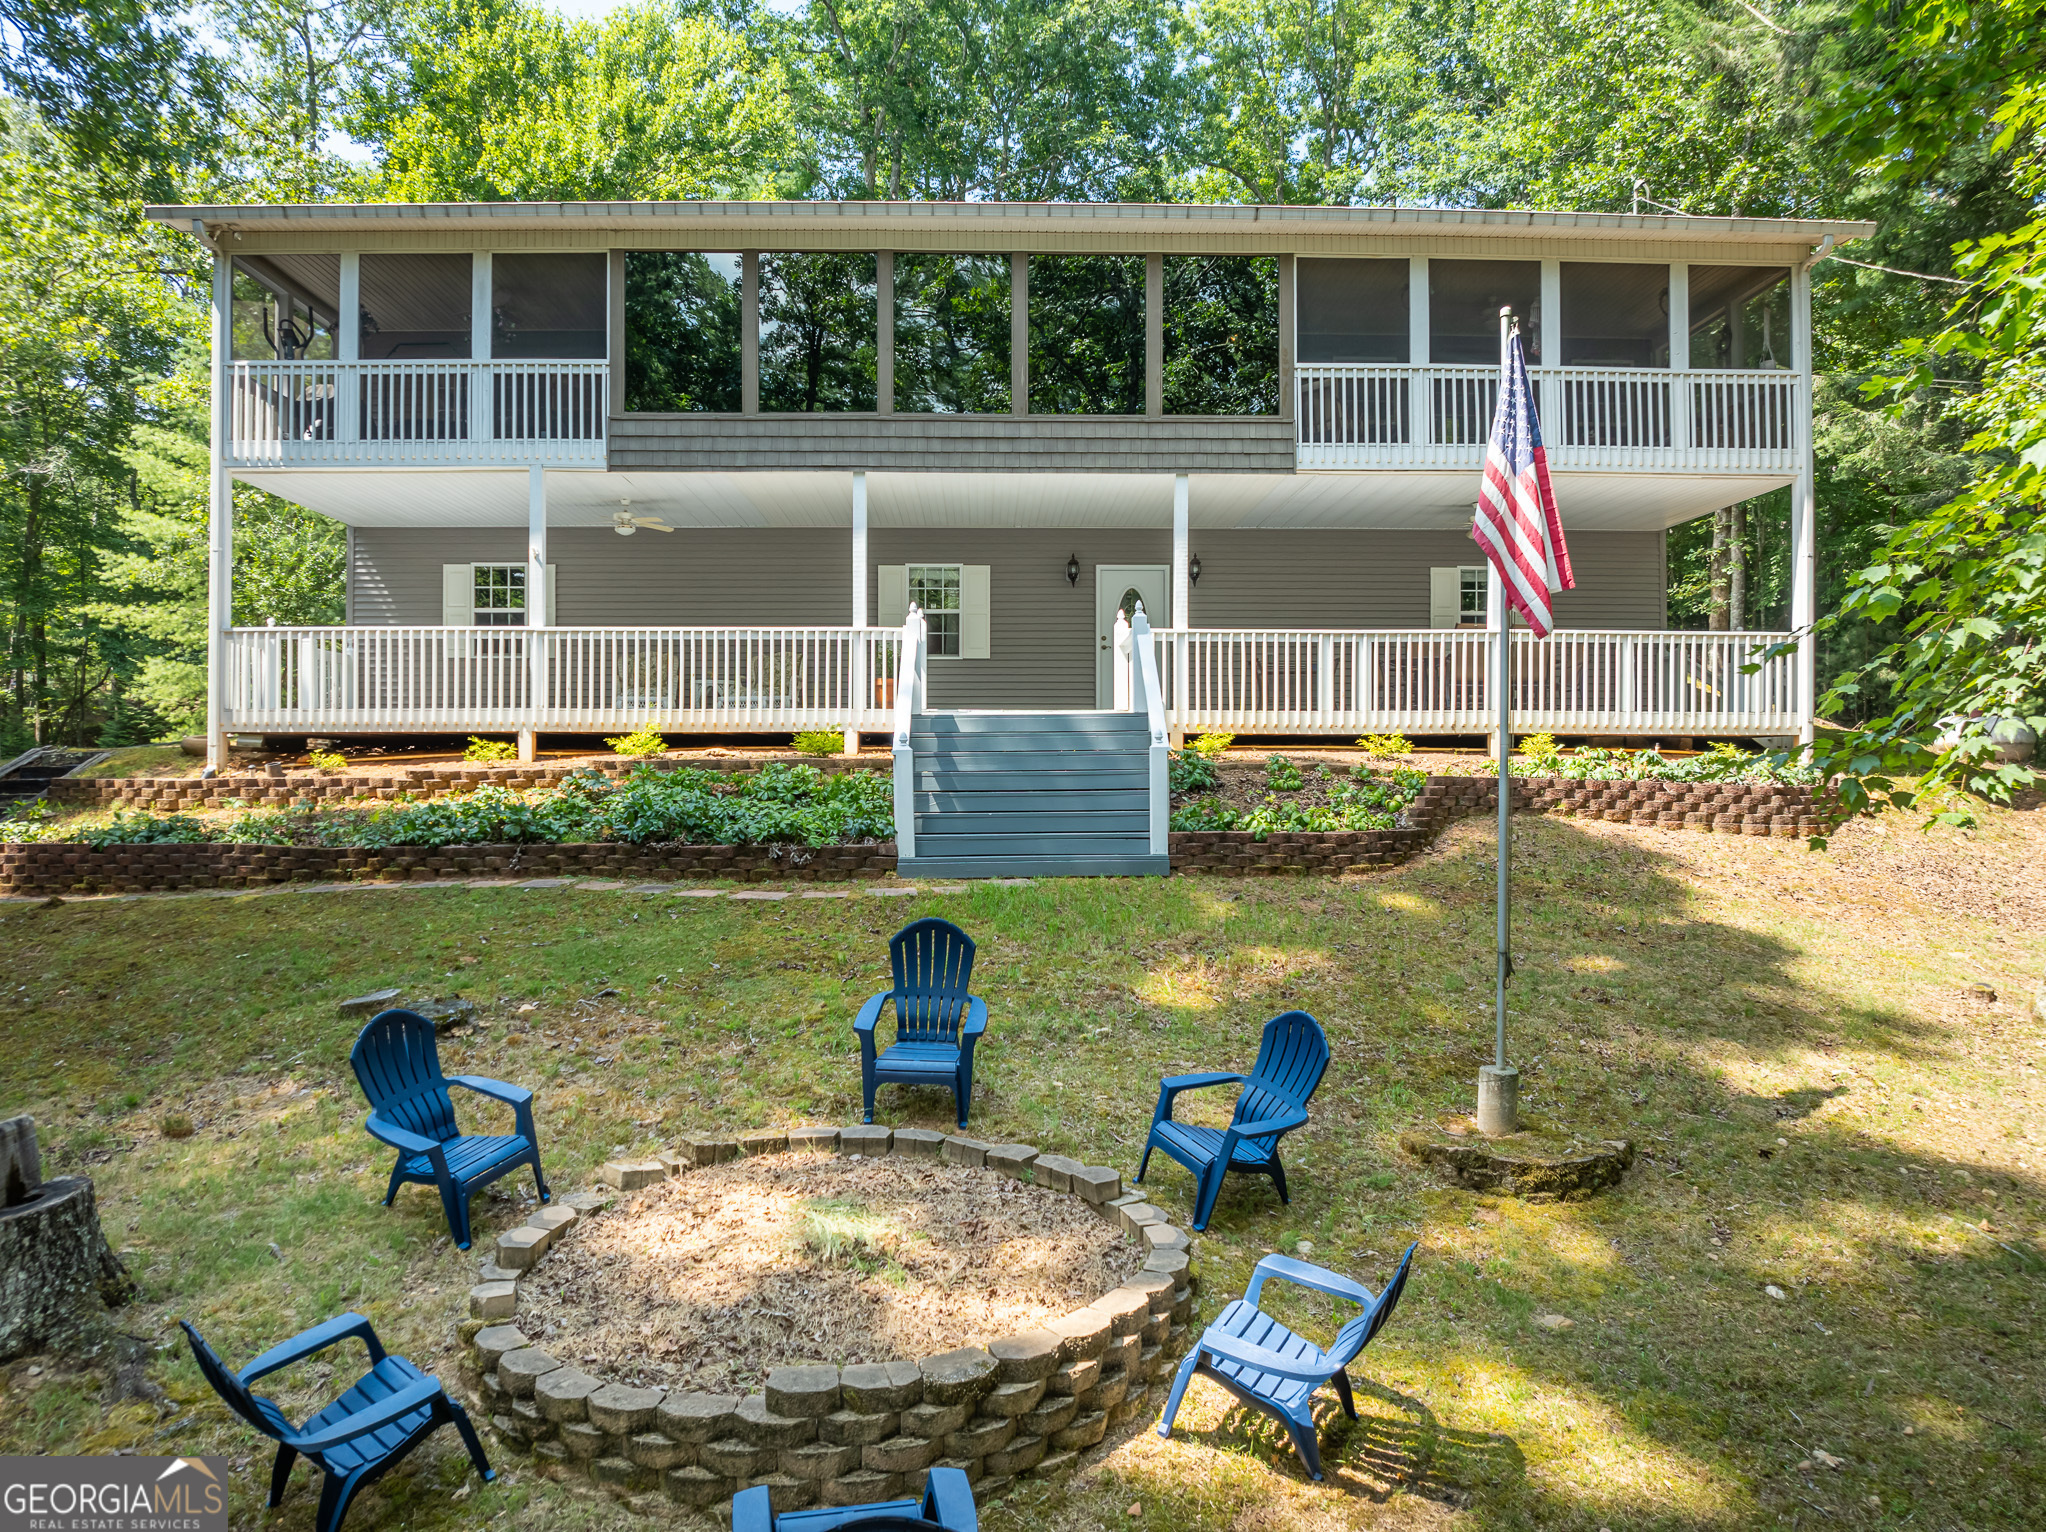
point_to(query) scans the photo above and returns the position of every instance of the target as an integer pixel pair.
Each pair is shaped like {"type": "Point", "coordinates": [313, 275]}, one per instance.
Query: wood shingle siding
{"type": "Point", "coordinates": [953, 443]}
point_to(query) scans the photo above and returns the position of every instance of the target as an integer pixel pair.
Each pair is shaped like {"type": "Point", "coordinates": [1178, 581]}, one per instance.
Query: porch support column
{"type": "Point", "coordinates": [219, 521]}
{"type": "Point", "coordinates": [1154, 336]}
{"type": "Point", "coordinates": [1679, 356]}
{"type": "Point", "coordinates": [482, 388]}
{"type": "Point", "coordinates": [1019, 334]}
{"type": "Point", "coordinates": [536, 607]}
{"type": "Point", "coordinates": [1181, 615]}
{"type": "Point", "coordinates": [348, 348]}
{"type": "Point", "coordinates": [1420, 427]}
{"type": "Point", "coordinates": [1803, 510]}
{"type": "Point", "coordinates": [862, 680]}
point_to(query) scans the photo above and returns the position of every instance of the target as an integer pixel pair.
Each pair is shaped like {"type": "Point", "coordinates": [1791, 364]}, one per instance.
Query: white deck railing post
{"type": "Point", "coordinates": [909, 676]}
{"type": "Point", "coordinates": [1120, 664]}
{"type": "Point", "coordinates": [1149, 699]}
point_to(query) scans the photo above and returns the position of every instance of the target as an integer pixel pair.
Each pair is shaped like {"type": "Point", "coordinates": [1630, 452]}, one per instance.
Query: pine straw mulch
{"type": "Point", "coordinates": [709, 1280]}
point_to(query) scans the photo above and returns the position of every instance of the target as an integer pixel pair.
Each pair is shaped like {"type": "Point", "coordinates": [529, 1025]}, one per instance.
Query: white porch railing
{"type": "Point", "coordinates": [1434, 681]}
{"type": "Point", "coordinates": [1613, 418]}
{"type": "Point", "coordinates": [575, 680]}
{"type": "Point", "coordinates": [282, 414]}
{"type": "Point", "coordinates": [768, 680]}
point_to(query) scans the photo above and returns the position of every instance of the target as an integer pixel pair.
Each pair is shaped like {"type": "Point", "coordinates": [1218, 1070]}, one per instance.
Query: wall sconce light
{"type": "Point", "coordinates": [1073, 569]}
{"type": "Point", "coordinates": [1193, 570]}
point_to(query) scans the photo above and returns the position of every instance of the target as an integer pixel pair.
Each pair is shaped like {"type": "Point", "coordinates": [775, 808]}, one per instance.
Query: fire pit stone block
{"type": "Point", "coordinates": [1156, 1289]}
{"type": "Point", "coordinates": [696, 1486]}
{"type": "Point", "coordinates": [1054, 1413]}
{"type": "Point", "coordinates": [924, 1143]}
{"type": "Point", "coordinates": [1026, 1357]}
{"type": "Point", "coordinates": [621, 1473]}
{"type": "Point", "coordinates": [1082, 1333]}
{"type": "Point", "coordinates": [521, 1248]}
{"type": "Point", "coordinates": [881, 1387]}
{"type": "Point", "coordinates": [1098, 1184]}
{"type": "Point", "coordinates": [631, 1175]}
{"type": "Point", "coordinates": [971, 1467]}
{"type": "Point", "coordinates": [965, 1151]}
{"type": "Point", "coordinates": [564, 1394]}
{"type": "Point", "coordinates": [958, 1377]}
{"type": "Point", "coordinates": [732, 1458]}
{"type": "Point", "coordinates": [850, 1428]}
{"type": "Point", "coordinates": [695, 1417]}
{"type": "Point", "coordinates": [1021, 1455]}
{"type": "Point", "coordinates": [618, 1410]}
{"type": "Point", "coordinates": [763, 1141]}
{"type": "Point", "coordinates": [1083, 1432]}
{"type": "Point", "coordinates": [581, 1440]}
{"type": "Point", "coordinates": [803, 1391]}
{"type": "Point", "coordinates": [1017, 1160]}
{"type": "Point", "coordinates": [765, 1428]}
{"type": "Point", "coordinates": [709, 1148]}
{"type": "Point", "coordinates": [652, 1450]}
{"type": "Point", "coordinates": [1056, 1172]}
{"type": "Point", "coordinates": [934, 1420]}
{"type": "Point", "coordinates": [863, 1486]}
{"type": "Point", "coordinates": [785, 1492]}
{"type": "Point", "coordinates": [493, 1300]}
{"type": "Point", "coordinates": [1077, 1376]}
{"type": "Point", "coordinates": [816, 1140]}
{"type": "Point", "coordinates": [519, 1370]}
{"type": "Point", "coordinates": [1113, 1388]}
{"type": "Point", "coordinates": [493, 1343]}
{"type": "Point", "coordinates": [1136, 1214]}
{"type": "Point", "coordinates": [900, 1455]}
{"type": "Point", "coordinates": [818, 1460]}
{"type": "Point", "coordinates": [1126, 1309]}
{"type": "Point", "coordinates": [866, 1140]}
{"type": "Point", "coordinates": [1010, 1400]}
{"type": "Point", "coordinates": [555, 1219]}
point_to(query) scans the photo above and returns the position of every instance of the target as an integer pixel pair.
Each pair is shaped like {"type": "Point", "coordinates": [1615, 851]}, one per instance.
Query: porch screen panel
{"type": "Point", "coordinates": [1221, 335]}
{"type": "Point", "coordinates": [1353, 311]}
{"type": "Point", "coordinates": [1740, 323]}
{"type": "Point", "coordinates": [817, 332]}
{"type": "Point", "coordinates": [1086, 335]}
{"type": "Point", "coordinates": [952, 334]}
{"type": "Point", "coordinates": [286, 307]}
{"type": "Point", "coordinates": [1464, 299]}
{"type": "Point", "coordinates": [414, 309]}
{"type": "Point", "coordinates": [682, 310]}
{"type": "Point", "coordinates": [547, 306]}
{"type": "Point", "coordinates": [1616, 319]}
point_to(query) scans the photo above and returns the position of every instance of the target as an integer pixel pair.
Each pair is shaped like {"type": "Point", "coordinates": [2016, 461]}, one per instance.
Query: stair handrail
{"type": "Point", "coordinates": [1150, 697]}
{"type": "Point", "coordinates": [910, 676]}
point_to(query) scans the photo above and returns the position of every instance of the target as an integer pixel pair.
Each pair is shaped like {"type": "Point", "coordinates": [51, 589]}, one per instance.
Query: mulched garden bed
{"type": "Point", "coordinates": [711, 1280]}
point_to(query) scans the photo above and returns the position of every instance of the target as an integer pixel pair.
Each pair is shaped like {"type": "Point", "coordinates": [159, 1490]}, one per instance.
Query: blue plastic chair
{"type": "Point", "coordinates": [398, 1063]}
{"type": "Point", "coordinates": [358, 1438]}
{"type": "Point", "coordinates": [936, 1021]}
{"type": "Point", "coordinates": [1290, 1063]}
{"type": "Point", "coordinates": [947, 1506]}
{"type": "Point", "coordinates": [1270, 1368]}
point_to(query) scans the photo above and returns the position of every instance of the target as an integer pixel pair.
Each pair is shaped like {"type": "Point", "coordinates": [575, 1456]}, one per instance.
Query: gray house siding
{"type": "Point", "coordinates": [952, 443]}
{"type": "Point", "coordinates": [1041, 628]}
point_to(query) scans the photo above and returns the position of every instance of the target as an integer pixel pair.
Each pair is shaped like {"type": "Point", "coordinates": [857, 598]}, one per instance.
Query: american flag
{"type": "Point", "coordinates": [1517, 524]}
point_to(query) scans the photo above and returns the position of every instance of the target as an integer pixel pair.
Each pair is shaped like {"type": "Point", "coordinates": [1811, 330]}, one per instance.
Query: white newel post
{"type": "Point", "coordinates": [1181, 615]}
{"type": "Point", "coordinates": [1147, 699]}
{"type": "Point", "coordinates": [1121, 665]}
{"type": "Point", "coordinates": [219, 521]}
{"type": "Point", "coordinates": [909, 668]}
{"type": "Point", "coordinates": [1804, 511]}
{"type": "Point", "coordinates": [536, 609]}
{"type": "Point", "coordinates": [861, 680]}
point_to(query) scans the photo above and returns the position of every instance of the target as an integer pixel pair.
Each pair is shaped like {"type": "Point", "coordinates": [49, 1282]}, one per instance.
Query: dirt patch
{"type": "Point", "coordinates": [711, 1279]}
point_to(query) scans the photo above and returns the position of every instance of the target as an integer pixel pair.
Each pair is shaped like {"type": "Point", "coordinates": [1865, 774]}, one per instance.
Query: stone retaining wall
{"type": "Point", "coordinates": [1731, 808]}
{"type": "Point", "coordinates": [1026, 1405]}
{"type": "Point", "coordinates": [276, 788]}
{"type": "Point", "coordinates": [63, 867]}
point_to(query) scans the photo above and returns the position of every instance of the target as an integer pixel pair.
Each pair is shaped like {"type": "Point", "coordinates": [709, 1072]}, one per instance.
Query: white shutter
{"type": "Point", "coordinates": [973, 611]}
{"type": "Point", "coordinates": [552, 569]}
{"type": "Point", "coordinates": [1445, 597]}
{"type": "Point", "coordinates": [458, 595]}
{"type": "Point", "coordinates": [894, 594]}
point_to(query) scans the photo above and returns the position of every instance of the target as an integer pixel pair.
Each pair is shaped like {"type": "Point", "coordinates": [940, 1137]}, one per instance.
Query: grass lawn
{"type": "Point", "coordinates": [1823, 1104]}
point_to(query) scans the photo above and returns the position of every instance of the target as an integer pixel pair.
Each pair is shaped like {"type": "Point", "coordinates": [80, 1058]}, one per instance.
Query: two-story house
{"type": "Point", "coordinates": [691, 464]}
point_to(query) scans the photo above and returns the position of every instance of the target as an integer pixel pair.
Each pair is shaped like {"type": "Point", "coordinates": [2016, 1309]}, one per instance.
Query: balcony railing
{"type": "Point", "coordinates": [1614, 418]}
{"type": "Point", "coordinates": [282, 414]}
{"type": "Point", "coordinates": [767, 680]}
{"type": "Point", "coordinates": [1436, 681]}
{"type": "Point", "coordinates": [576, 680]}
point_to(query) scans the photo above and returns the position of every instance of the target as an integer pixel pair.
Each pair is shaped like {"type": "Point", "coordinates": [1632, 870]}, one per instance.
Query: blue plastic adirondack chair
{"type": "Point", "coordinates": [398, 1063]}
{"type": "Point", "coordinates": [359, 1437]}
{"type": "Point", "coordinates": [1290, 1063]}
{"type": "Point", "coordinates": [1270, 1368]}
{"type": "Point", "coordinates": [936, 1021]}
{"type": "Point", "coordinates": [947, 1506]}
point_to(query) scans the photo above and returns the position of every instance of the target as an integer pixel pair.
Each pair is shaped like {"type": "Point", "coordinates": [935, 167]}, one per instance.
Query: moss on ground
{"type": "Point", "coordinates": [1823, 1104]}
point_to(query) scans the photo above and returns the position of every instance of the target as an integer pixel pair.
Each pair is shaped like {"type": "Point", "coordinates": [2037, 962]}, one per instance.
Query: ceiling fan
{"type": "Point", "coordinates": [624, 523]}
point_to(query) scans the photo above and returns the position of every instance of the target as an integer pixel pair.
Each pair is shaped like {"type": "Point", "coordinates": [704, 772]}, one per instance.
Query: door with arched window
{"type": "Point", "coordinates": [1117, 589]}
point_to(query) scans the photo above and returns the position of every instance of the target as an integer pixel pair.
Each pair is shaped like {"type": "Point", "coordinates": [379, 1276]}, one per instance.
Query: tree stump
{"type": "Point", "coordinates": [58, 1275]}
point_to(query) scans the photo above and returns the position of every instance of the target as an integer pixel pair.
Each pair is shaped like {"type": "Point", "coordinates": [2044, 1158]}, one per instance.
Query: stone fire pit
{"type": "Point", "coordinates": [1026, 1402]}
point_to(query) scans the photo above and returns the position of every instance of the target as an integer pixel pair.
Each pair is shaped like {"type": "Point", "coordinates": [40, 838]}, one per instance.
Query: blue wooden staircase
{"type": "Point", "coordinates": [1031, 795]}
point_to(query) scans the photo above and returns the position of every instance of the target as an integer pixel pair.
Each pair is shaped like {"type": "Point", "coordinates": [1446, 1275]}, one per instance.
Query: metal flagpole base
{"type": "Point", "coordinates": [1498, 1100]}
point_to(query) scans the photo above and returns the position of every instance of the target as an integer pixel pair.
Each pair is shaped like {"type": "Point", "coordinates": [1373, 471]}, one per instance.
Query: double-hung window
{"type": "Point", "coordinates": [498, 595]}
{"type": "Point", "coordinates": [935, 589]}
{"type": "Point", "coordinates": [1470, 609]}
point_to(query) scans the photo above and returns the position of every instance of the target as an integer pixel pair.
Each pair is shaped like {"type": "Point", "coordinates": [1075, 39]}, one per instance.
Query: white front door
{"type": "Point", "coordinates": [1118, 587]}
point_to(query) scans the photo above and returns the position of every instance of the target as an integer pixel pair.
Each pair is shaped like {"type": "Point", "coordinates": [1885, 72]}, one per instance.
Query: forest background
{"type": "Point", "coordinates": [1923, 115]}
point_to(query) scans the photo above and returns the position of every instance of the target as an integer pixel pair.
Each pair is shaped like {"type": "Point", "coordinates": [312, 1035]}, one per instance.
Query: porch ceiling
{"type": "Point", "coordinates": [1603, 502]}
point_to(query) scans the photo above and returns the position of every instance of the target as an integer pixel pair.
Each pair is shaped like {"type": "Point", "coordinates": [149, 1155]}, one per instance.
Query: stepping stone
{"type": "Point", "coordinates": [648, 888]}
{"type": "Point", "coordinates": [846, 894]}
{"type": "Point", "coordinates": [600, 886]}
{"type": "Point", "coordinates": [538, 883]}
{"type": "Point", "coordinates": [891, 893]}
{"type": "Point", "coordinates": [948, 888]}
{"type": "Point", "coordinates": [697, 893]}
{"type": "Point", "coordinates": [758, 894]}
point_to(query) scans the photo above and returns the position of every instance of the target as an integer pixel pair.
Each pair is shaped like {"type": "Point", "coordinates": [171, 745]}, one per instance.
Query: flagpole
{"type": "Point", "coordinates": [1499, 1086]}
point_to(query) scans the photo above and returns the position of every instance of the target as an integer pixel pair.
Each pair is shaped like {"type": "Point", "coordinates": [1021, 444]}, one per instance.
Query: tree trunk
{"type": "Point", "coordinates": [58, 1276]}
{"type": "Point", "coordinates": [1737, 568]}
{"type": "Point", "coordinates": [1721, 520]}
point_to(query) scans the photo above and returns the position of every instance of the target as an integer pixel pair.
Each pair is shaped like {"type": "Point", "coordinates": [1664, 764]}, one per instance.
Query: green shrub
{"type": "Point", "coordinates": [1541, 754]}
{"type": "Point", "coordinates": [143, 828]}
{"type": "Point", "coordinates": [326, 760]}
{"type": "Point", "coordinates": [1193, 773]}
{"type": "Point", "coordinates": [639, 743]}
{"type": "Point", "coordinates": [1204, 814]}
{"type": "Point", "coordinates": [819, 742]}
{"type": "Point", "coordinates": [1212, 745]}
{"type": "Point", "coordinates": [1282, 776]}
{"type": "Point", "coordinates": [490, 750]}
{"type": "Point", "coordinates": [1386, 746]}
